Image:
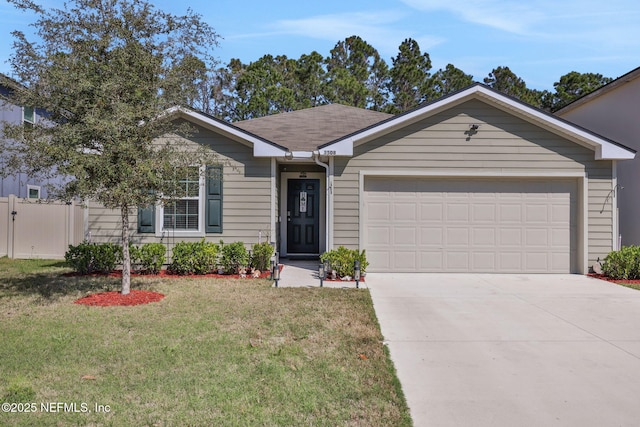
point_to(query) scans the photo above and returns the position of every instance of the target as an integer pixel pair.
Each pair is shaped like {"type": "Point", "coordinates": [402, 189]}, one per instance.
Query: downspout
{"type": "Point", "coordinates": [327, 226]}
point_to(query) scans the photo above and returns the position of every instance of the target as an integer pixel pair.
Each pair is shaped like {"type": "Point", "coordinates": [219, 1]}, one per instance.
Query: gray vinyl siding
{"type": "Point", "coordinates": [504, 143]}
{"type": "Point", "coordinates": [246, 198]}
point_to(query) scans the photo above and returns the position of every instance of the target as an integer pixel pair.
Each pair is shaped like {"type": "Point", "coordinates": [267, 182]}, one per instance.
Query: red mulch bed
{"type": "Point", "coordinates": [106, 299]}
{"type": "Point", "coordinates": [609, 279]}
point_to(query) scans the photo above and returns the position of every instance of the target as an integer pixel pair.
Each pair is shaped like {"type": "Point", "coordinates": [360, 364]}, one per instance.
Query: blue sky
{"type": "Point", "coordinates": [540, 40]}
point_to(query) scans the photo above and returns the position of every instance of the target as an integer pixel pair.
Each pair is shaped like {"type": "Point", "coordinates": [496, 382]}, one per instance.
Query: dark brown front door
{"type": "Point", "coordinates": [303, 222]}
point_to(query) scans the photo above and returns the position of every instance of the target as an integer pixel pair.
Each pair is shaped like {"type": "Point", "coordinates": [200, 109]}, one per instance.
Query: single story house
{"type": "Point", "coordinates": [473, 182]}
{"type": "Point", "coordinates": [612, 111]}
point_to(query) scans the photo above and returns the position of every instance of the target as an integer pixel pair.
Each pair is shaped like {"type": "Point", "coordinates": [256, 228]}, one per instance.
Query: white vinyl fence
{"type": "Point", "coordinates": [32, 228]}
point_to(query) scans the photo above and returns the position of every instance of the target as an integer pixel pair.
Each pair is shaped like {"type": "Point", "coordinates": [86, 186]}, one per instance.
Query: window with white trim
{"type": "Point", "coordinates": [29, 115]}
{"type": "Point", "coordinates": [33, 191]}
{"type": "Point", "coordinates": [184, 213]}
{"type": "Point", "coordinates": [198, 211]}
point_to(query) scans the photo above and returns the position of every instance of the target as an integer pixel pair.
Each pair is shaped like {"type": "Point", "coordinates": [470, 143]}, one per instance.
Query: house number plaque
{"type": "Point", "coordinates": [303, 202]}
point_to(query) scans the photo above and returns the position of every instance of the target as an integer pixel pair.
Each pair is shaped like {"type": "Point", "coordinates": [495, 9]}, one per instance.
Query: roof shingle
{"type": "Point", "coordinates": [305, 130]}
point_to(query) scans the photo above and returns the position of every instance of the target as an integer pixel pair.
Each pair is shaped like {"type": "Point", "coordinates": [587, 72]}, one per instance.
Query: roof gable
{"type": "Point", "coordinates": [305, 130]}
{"type": "Point", "coordinates": [604, 148]}
{"type": "Point", "coordinates": [261, 147]}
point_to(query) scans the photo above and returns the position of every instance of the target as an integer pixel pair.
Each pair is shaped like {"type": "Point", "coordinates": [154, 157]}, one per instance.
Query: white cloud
{"type": "Point", "coordinates": [512, 16]}
{"type": "Point", "coordinates": [376, 28]}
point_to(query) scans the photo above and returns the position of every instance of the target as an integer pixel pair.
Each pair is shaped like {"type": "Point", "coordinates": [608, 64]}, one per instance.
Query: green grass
{"type": "Point", "coordinates": [212, 352]}
{"type": "Point", "coordinates": [635, 286]}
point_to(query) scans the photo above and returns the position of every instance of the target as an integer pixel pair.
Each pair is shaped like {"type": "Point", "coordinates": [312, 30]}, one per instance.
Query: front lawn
{"type": "Point", "coordinates": [212, 352]}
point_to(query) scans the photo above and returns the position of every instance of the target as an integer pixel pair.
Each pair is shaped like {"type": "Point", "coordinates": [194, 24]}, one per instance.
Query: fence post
{"type": "Point", "coordinates": [70, 224]}
{"type": "Point", "coordinates": [10, 224]}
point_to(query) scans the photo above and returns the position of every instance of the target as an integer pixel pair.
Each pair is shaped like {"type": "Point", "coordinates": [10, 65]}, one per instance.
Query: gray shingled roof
{"type": "Point", "coordinates": [305, 130]}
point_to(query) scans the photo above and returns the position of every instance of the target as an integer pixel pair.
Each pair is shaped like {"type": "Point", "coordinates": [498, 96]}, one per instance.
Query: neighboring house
{"type": "Point", "coordinates": [613, 111]}
{"type": "Point", "coordinates": [473, 182]}
{"type": "Point", "coordinates": [22, 184]}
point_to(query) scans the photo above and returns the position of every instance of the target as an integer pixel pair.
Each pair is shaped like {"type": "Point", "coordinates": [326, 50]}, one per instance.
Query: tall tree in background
{"type": "Point", "coordinates": [572, 86]}
{"type": "Point", "coordinates": [266, 86]}
{"type": "Point", "coordinates": [449, 80]}
{"type": "Point", "coordinates": [409, 77]}
{"type": "Point", "coordinates": [106, 71]}
{"type": "Point", "coordinates": [311, 80]}
{"type": "Point", "coordinates": [506, 81]}
{"type": "Point", "coordinates": [356, 74]}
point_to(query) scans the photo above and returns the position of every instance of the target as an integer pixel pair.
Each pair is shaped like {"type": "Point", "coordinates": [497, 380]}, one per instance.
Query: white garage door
{"type": "Point", "coordinates": [470, 225]}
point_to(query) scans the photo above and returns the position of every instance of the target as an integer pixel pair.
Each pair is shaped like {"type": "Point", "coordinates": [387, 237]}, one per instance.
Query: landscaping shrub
{"type": "Point", "coordinates": [234, 256]}
{"type": "Point", "coordinates": [194, 257]}
{"type": "Point", "coordinates": [87, 258]}
{"type": "Point", "coordinates": [342, 259]}
{"type": "Point", "coordinates": [261, 256]}
{"type": "Point", "coordinates": [148, 258]}
{"type": "Point", "coordinates": [623, 264]}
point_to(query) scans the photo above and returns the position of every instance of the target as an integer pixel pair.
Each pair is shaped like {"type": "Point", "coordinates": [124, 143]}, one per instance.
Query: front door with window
{"type": "Point", "coordinates": [303, 223]}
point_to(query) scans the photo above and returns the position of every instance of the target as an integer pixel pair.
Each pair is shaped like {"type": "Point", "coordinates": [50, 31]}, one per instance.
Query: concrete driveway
{"type": "Point", "coordinates": [512, 350]}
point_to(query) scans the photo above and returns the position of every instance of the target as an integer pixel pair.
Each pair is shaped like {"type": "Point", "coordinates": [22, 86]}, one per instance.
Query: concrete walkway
{"type": "Point", "coordinates": [512, 350]}
{"type": "Point", "coordinates": [305, 274]}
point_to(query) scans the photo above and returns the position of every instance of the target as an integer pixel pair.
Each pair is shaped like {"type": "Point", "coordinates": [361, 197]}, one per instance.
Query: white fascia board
{"type": "Point", "coordinates": [260, 147]}
{"type": "Point", "coordinates": [343, 147]}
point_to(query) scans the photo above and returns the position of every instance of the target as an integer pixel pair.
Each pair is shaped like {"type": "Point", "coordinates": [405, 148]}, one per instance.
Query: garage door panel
{"type": "Point", "coordinates": [431, 211]}
{"type": "Point", "coordinates": [478, 225]}
{"type": "Point", "coordinates": [510, 262]}
{"type": "Point", "coordinates": [483, 212]}
{"type": "Point", "coordinates": [430, 236]}
{"type": "Point", "coordinates": [405, 260]}
{"type": "Point", "coordinates": [457, 211]}
{"type": "Point", "coordinates": [536, 237]}
{"type": "Point", "coordinates": [457, 237]}
{"type": "Point", "coordinates": [404, 236]}
{"type": "Point", "coordinates": [379, 211]}
{"type": "Point", "coordinates": [536, 213]}
{"type": "Point", "coordinates": [483, 237]}
{"type": "Point", "coordinates": [484, 260]}
{"type": "Point", "coordinates": [536, 262]}
{"type": "Point", "coordinates": [431, 261]}
{"type": "Point", "coordinates": [405, 212]}
{"type": "Point", "coordinates": [379, 235]}
{"type": "Point", "coordinates": [510, 237]}
{"type": "Point", "coordinates": [457, 260]}
{"type": "Point", "coordinates": [510, 212]}
{"type": "Point", "coordinates": [379, 259]}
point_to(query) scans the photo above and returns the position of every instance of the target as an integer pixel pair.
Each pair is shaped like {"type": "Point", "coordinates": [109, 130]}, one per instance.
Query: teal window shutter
{"type": "Point", "coordinates": [147, 219]}
{"type": "Point", "coordinates": [213, 200]}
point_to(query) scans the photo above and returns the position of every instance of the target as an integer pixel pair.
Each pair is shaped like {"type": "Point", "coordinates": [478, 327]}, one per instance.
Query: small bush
{"type": "Point", "coordinates": [194, 257]}
{"type": "Point", "coordinates": [623, 264]}
{"type": "Point", "coordinates": [261, 256]}
{"type": "Point", "coordinates": [234, 256]}
{"type": "Point", "coordinates": [87, 258]}
{"type": "Point", "coordinates": [148, 258]}
{"type": "Point", "coordinates": [342, 260]}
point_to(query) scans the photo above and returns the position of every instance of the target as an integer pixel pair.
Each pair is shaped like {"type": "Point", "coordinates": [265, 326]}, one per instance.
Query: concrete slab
{"type": "Point", "coordinates": [299, 273]}
{"type": "Point", "coordinates": [526, 350]}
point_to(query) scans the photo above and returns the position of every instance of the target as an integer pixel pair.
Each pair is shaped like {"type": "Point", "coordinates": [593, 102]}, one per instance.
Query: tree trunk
{"type": "Point", "coordinates": [126, 259]}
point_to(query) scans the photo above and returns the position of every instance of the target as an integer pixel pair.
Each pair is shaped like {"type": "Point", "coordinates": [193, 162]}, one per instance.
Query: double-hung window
{"type": "Point", "coordinates": [184, 213]}
{"type": "Point", "coordinates": [197, 210]}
